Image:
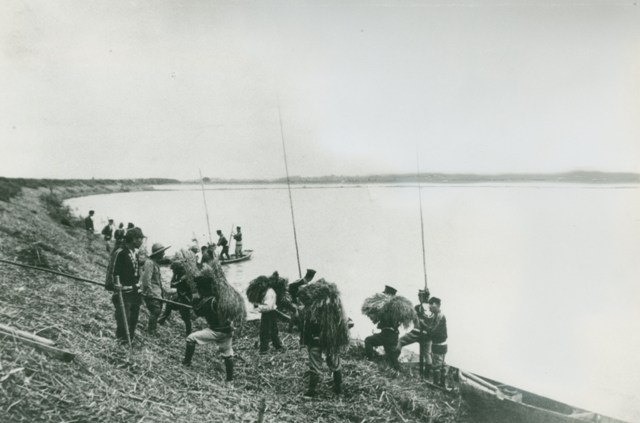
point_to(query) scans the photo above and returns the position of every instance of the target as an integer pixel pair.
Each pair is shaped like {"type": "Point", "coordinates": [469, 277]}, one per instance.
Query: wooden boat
{"type": "Point", "coordinates": [492, 401]}
{"type": "Point", "coordinates": [234, 259]}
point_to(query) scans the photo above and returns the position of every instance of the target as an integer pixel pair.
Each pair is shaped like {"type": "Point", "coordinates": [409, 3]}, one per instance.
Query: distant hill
{"type": "Point", "coordinates": [582, 177]}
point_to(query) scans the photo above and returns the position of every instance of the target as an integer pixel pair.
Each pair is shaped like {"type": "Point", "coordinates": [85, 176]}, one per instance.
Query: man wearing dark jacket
{"type": "Point", "coordinates": [218, 332]}
{"type": "Point", "coordinates": [222, 242]}
{"type": "Point", "coordinates": [125, 276]}
{"type": "Point", "coordinates": [387, 338]}
{"type": "Point", "coordinates": [437, 334]}
{"type": "Point", "coordinates": [180, 283]}
{"type": "Point", "coordinates": [88, 222]}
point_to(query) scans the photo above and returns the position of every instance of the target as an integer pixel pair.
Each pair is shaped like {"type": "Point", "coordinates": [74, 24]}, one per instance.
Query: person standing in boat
{"type": "Point", "coordinates": [437, 334]}
{"type": "Point", "coordinates": [238, 238]}
{"type": "Point", "coordinates": [151, 282]}
{"type": "Point", "coordinates": [222, 242]}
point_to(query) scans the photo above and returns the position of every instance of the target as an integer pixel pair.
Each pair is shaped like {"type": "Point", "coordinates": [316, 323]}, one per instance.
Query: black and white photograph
{"type": "Point", "coordinates": [291, 211]}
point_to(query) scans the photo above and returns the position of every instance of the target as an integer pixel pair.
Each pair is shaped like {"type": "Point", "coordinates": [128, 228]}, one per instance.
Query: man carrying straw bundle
{"type": "Point", "coordinates": [324, 330]}
{"type": "Point", "coordinates": [388, 312]}
{"type": "Point", "coordinates": [220, 316]}
{"type": "Point", "coordinates": [266, 294]}
{"type": "Point", "coordinates": [182, 283]}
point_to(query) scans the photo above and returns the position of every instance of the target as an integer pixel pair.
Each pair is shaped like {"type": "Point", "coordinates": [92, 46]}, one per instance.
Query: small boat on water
{"type": "Point", "coordinates": [233, 259]}
{"type": "Point", "coordinates": [492, 401]}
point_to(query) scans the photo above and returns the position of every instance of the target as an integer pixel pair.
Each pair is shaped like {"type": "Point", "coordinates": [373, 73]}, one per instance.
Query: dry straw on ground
{"type": "Point", "coordinates": [107, 383]}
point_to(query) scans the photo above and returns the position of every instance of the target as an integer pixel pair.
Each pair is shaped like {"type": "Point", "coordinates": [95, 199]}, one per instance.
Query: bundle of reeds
{"type": "Point", "coordinates": [258, 288]}
{"type": "Point", "coordinates": [324, 308]}
{"type": "Point", "coordinates": [231, 306]}
{"type": "Point", "coordinates": [398, 311]}
{"type": "Point", "coordinates": [189, 262]}
{"type": "Point", "coordinates": [373, 305]}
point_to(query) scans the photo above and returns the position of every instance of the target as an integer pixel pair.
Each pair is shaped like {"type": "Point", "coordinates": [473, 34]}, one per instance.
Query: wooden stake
{"type": "Point", "coordinates": [8, 330]}
{"type": "Point", "coordinates": [58, 353]}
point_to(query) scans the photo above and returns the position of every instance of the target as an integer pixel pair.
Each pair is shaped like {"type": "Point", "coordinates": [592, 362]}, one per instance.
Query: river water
{"type": "Point", "coordinates": [539, 282]}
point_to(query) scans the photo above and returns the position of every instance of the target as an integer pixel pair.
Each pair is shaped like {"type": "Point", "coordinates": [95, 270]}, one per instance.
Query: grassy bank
{"type": "Point", "coordinates": [104, 383]}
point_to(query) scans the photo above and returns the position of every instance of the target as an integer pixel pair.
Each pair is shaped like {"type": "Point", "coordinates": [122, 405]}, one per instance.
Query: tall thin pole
{"type": "Point", "coordinates": [206, 209]}
{"type": "Point", "coordinates": [424, 252]}
{"type": "Point", "coordinates": [286, 168]}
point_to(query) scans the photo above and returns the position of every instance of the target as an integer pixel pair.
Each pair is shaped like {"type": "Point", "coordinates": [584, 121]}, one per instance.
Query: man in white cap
{"type": "Point", "coordinates": [151, 282]}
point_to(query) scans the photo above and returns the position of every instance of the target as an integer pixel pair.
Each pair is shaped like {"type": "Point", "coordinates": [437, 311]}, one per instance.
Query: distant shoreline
{"type": "Point", "coordinates": [577, 177]}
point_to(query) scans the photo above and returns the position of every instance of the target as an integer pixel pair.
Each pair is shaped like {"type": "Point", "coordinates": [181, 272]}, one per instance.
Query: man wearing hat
{"type": "Point", "coordinates": [125, 275]}
{"type": "Point", "coordinates": [238, 238]}
{"type": "Point", "coordinates": [389, 290]}
{"type": "Point", "coordinates": [294, 287]}
{"type": "Point", "coordinates": [419, 333]}
{"type": "Point", "coordinates": [151, 282]}
{"type": "Point", "coordinates": [437, 334]}
{"type": "Point", "coordinates": [387, 337]}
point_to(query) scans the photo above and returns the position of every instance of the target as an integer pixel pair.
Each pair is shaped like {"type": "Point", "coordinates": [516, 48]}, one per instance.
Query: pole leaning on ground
{"type": "Point", "coordinates": [125, 321]}
{"type": "Point", "coordinates": [77, 278]}
{"type": "Point", "coordinates": [424, 261]}
{"type": "Point", "coordinates": [286, 168]}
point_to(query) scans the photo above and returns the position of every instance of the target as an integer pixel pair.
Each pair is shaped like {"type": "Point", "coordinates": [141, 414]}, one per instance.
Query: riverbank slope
{"type": "Point", "coordinates": [104, 383]}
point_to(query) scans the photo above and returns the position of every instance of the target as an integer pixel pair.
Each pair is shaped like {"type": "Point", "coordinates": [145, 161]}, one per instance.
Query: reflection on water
{"type": "Point", "coordinates": [538, 282]}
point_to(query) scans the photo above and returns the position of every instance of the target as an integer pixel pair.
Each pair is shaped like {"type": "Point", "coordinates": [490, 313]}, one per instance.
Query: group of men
{"type": "Point", "coordinates": [208, 252]}
{"type": "Point", "coordinates": [430, 331]}
{"type": "Point", "coordinates": [134, 275]}
{"type": "Point", "coordinates": [109, 231]}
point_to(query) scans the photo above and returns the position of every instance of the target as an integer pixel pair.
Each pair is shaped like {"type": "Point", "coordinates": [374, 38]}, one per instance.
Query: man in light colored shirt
{"type": "Point", "coordinates": [151, 282]}
{"type": "Point", "coordinates": [269, 322]}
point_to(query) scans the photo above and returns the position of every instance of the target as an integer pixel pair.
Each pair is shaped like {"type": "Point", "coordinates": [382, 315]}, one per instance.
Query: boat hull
{"type": "Point", "coordinates": [247, 255]}
{"type": "Point", "coordinates": [490, 403]}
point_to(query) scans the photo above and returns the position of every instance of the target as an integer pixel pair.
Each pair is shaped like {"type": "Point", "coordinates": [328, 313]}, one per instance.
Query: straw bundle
{"type": "Point", "coordinates": [258, 288]}
{"type": "Point", "coordinates": [230, 303]}
{"type": "Point", "coordinates": [189, 262]}
{"type": "Point", "coordinates": [324, 307]}
{"type": "Point", "coordinates": [373, 306]}
{"type": "Point", "coordinates": [398, 311]}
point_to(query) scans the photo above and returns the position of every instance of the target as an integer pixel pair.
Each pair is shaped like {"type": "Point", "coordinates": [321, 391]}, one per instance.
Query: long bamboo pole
{"type": "Point", "coordinates": [77, 278]}
{"type": "Point", "coordinates": [206, 209]}
{"type": "Point", "coordinates": [286, 167]}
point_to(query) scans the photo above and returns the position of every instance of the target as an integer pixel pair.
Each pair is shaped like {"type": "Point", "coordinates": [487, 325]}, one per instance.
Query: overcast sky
{"type": "Point", "coordinates": [114, 89]}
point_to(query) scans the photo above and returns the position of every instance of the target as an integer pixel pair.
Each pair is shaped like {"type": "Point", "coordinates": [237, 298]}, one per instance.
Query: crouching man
{"type": "Point", "coordinates": [218, 332]}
